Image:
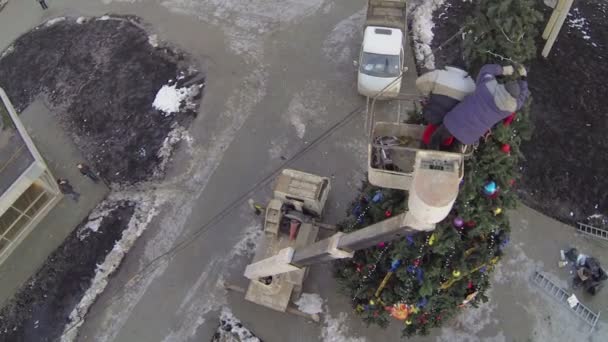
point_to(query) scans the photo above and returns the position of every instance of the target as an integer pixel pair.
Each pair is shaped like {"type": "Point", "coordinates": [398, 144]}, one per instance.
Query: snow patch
{"type": "Point", "coordinates": [145, 210]}
{"type": "Point", "coordinates": [170, 99]}
{"type": "Point", "coordinates": [7, 52]}
{"type": "Point", "coordinates": [335, 330]}
{"type": "Point", "coordinates": [422, 31]}
{"type": "Point", "coordinates": [248, 242]}
{"type": "Point", "coordinates": [337, 46]}
{"type": "Point", "coordinates": [232, 330]}
{"type": "Point", "coordinates": [576, 21]}
{"type": "Point", "coordinates": [515, 267]}
{"type": "Point", "coordinates": [469, 323]}
{"type": "Point", "coordinates": [208, 294]}
{"type": "Point", "coordinates": [94, 220]}
{"type": "Point", "coordinates": [54, 21]}
{"type": "Point", "coordinates": [277, 148]}
{"type": "Point", "coordinates": [81, 20]}
{"type": "Point", "coordinates": [299, 125]}
{"type": "Point", "coordinates": [247, 22]}
{"type": "Point", "coordinates": [104, 18]}
{"type": "Point", "coordinates": [310, 303]}
{"type": "Point", "coordinates": [177, 134]}
{"type": "Point", "coordinates": [153, 40]}
{"type": "Point", "coordinates": [306, 107]}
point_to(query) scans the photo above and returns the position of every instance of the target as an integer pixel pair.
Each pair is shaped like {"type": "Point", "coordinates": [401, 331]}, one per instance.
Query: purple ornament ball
{"type": "Point", "coordinates": [458, 222]}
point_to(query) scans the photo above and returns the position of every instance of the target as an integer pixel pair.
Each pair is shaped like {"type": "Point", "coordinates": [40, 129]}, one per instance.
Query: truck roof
{"type": "Point", "coordinates": [382, 40]}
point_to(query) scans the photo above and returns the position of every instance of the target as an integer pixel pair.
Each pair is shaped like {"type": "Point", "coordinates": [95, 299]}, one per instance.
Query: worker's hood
{"type": "Point", "coordinates": [370, 85]}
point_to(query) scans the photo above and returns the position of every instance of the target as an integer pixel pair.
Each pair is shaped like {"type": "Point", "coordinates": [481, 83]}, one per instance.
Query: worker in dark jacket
{"type": "Point", "coordinates": [490, 103]}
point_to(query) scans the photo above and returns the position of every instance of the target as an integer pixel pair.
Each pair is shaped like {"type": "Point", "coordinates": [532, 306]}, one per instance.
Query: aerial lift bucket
{"type": "Point", "coordinates": [395, 150]}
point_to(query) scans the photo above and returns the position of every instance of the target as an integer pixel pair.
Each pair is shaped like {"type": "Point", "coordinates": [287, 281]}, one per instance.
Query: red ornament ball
{"type": "Point", "coordinates": [506, 148]}
{"type": "Point", "coordinates": [388, 213]}
{"type": "Point", "coordinates": [470, 224]}
{"type": "Point", "coordinates": [506, 122]}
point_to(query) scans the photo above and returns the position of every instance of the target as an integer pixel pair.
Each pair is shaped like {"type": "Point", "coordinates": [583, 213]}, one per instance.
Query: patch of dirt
{"type": "Point", "coordinates": [101, 78]}
{"type": "Point", "coordinates": [39, 311]}
{"type": "Point", "coordinates": [564, 174]}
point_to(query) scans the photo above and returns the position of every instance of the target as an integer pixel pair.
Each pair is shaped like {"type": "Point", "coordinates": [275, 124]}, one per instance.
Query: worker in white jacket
{"type": "Point", "coordinates": [445, 88]}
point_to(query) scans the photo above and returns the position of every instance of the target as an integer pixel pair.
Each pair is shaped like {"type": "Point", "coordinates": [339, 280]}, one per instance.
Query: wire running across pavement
{"type": "Point", "coordinates": [211, 223]}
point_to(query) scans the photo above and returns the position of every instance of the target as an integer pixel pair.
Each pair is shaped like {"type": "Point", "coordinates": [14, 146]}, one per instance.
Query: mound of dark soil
{"type": "Point", "coordinates": [40, 310]}
{"type": "Point", "coordinates": [101, 78]}
{"type": "Point", "coordinates": [564, 174]}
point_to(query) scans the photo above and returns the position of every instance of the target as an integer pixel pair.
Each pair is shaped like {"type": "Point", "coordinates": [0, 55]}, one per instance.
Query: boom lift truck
{"type": "Point", "coordinates": [396, 160]}
{"type": "Point", "coordinates": [291, 222]}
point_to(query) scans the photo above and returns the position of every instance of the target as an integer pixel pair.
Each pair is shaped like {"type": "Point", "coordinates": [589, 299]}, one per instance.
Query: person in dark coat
{"type": "Point", "coordinates": [66, 188]}
{"type": "Point", "coordinates": [85, 170]}
{"type": "Point", "coordinates": [490, 103]}
{"type": "Point", "coordinates": [43, 4]}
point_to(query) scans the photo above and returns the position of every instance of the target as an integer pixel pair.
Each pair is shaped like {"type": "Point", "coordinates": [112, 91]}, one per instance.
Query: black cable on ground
{"type": "Point", "coordinates": [151, 265]}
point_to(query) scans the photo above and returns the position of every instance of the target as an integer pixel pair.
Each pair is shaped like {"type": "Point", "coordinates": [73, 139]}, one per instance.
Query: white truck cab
{"type": "Point", "coordinates": [382, 57]}
{"type": "Point", "coordinates": [381, 61]}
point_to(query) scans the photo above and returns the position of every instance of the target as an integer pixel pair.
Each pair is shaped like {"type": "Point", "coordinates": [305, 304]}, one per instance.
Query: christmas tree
{"type": "Point", "coordinates": [509, 27]}
{"type": "Point", "coordinates": [426, 278]}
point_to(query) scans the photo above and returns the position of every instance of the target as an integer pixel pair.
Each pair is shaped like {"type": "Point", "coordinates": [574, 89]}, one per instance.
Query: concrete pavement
{"type": "Point", "coordinates": [61, 156]}
{"type": "Point", "coordinates": [279, 74]}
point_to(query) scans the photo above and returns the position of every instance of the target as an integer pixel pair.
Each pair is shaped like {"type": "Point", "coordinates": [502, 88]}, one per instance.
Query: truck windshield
{"type": "Point", "coordinates": [380, 65]}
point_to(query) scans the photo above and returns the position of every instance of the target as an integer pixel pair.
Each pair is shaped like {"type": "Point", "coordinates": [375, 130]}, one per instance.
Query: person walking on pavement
{"type": "Point", "coordinates": [66, 188]}
{"type": "Point", "coordinates": [43, 4]}
{"type": "Point", "coordinates": [85, 170]}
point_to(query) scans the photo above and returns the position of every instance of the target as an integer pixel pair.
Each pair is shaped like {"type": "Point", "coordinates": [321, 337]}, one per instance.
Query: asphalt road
{"type": "Point", "coordinates": [279, 74]}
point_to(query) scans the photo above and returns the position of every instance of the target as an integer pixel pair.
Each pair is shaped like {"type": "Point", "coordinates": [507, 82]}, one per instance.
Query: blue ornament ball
{"type": "Point", "coordinates": [378, 197]}
{"type": "Point", "coordinates": [490, 188]}
{"type": "Point", "coordinates": [395, 265]}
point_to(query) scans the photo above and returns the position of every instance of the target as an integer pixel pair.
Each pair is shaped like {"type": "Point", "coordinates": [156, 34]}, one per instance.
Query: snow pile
{"type": "Point", "coordinates": [422, 31]}
{"type": "Point", "coordinates": [170, 98]}
{"type": "Point", "coordinates": [54, 21]}
{"type": "Point", "coordinates": [232, 330]}
{"type": "Point", "coordinates": [81, 20]}
{"type": "Point", "coordinates": [145, 210]}
{"type": "Point", "coordinates": [103, 18]}
{"type": "Point", "coordinates": [310, 303]}
{"type": "Point", "coordinates": [335, 330]}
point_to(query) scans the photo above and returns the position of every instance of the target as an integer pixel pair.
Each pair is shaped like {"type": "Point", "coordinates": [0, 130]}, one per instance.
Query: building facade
{"type": "Point", "coordinates": [28, 190]}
